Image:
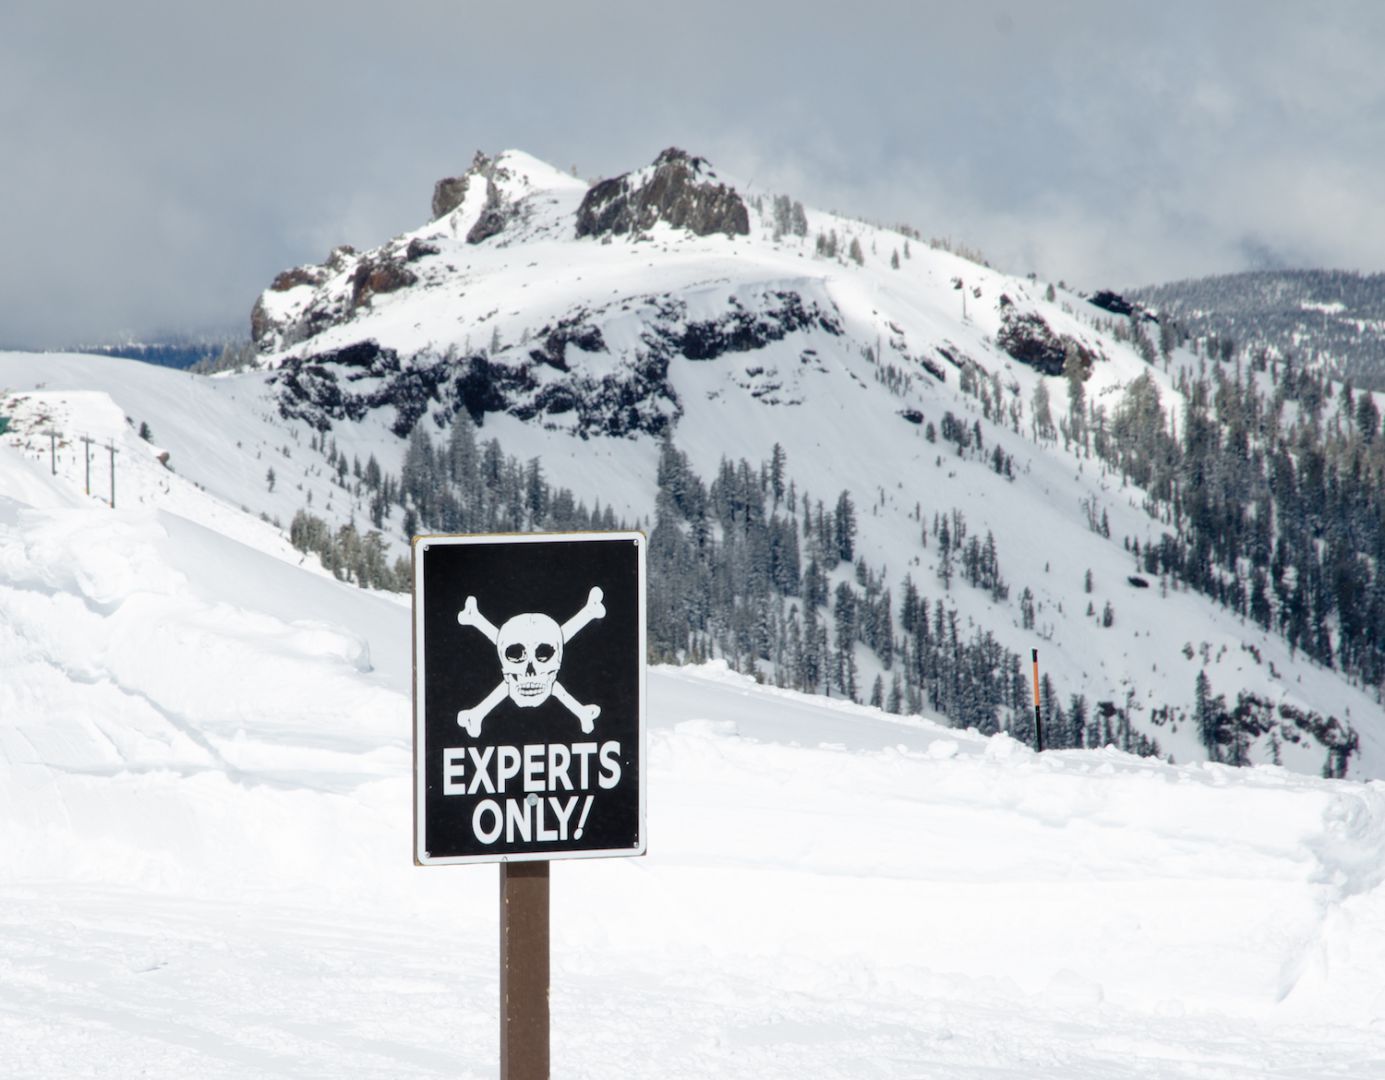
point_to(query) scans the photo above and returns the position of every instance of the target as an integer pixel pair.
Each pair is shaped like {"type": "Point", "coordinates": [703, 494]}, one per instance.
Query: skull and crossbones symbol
{"type": "Point", "coordinates": [530, 648]}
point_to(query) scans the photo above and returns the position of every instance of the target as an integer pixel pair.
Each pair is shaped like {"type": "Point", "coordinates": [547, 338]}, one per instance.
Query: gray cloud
{"type": "Point", "coordinates": [162, 161]}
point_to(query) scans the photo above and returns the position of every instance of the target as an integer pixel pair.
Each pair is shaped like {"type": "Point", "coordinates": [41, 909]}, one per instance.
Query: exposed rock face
{"type": "Point", "coordinates": [546, 379]}
{"type": "Point", "coordinates": [268, 331]}
{"type": "Point", "coordinates": [340, 258]}
{"type": "Point", "coordinates": [570, 331]}
{"type": "Point", "coordinates": [271, 326]}
{"type": "Point", "coordinates": [299, 275]}
{"type": "Point", "coordinates": [1110, 301]}
{"type": "Point", "coordinates": [743, 330]}
{"type": "Point", "coordinates": [1030, 340]}
{"type": "Point", "coordinates": [262, 323]}
{"type": "Point", "coordinates": [1026, 337]}
{"type": "Point", "coordinates": [493, 217]}
{"type": "Point", "coordinates": [679, 190]}
{"type": "Point", "coordinates": [343, 284]}
{"type": "Point", "coordinates": [318, 390]}
{"type": "Point", "coordinates": [450, 192]}
{"type": "Point", "coordinates": [373, 276]}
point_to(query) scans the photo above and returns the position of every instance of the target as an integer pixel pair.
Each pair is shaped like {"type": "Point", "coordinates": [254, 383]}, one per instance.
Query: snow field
{"type": "Point", "coordinates": [205, 818]}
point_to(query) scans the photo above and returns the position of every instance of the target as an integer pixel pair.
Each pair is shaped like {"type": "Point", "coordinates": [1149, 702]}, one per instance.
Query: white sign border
{"type": "Point", "coordinates": [421, 542]}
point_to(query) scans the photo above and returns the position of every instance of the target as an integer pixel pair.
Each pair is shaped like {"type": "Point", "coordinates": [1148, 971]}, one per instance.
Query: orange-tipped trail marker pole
{"type": "Point", "coordinates": [1038, 718]}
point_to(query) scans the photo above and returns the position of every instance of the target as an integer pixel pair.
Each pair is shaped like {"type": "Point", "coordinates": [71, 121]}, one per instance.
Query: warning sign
{"type": "Point", "coordinates": [528, 697]}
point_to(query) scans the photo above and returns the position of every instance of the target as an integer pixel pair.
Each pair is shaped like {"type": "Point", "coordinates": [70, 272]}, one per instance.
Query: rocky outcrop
{"type": "Point", "coordinates": [278, 320]}
{"type": "Point", "coordinates": [545, 379]}
{"type": "Point", "coordinates": [379, 275]}
{"type": "Point", "coordinates": [448, 194]}
{"type": "Point", "coordinates": [679, 190]}
{"type": "Point", "coordinates": [1030, 340]}
{"type": "Point", "coordinates": [318, 390]}
{"type": "Point", "coordinates": [262, 323]}
{"type": "Point", "coordinates": [341, 286]}
{"type": "Point", "coordinates": [494, 216]}
{"type": "Point", "coordinates": [570, 331]}
{"type": "Point", "coordinates": [451, 193]}
{"type": "Point", "coordinates": [341, 257]}
{"type": "Point", "coordinates": [1110, 301]}
{"type": "Point", "coordinates": [322, 389]}
{"type": "Point", "coordinates": [743, 329]}
{"type": "Point", "coordinates": [1026, 337]}
{"type": "Point", "coordinates": [299, 275]}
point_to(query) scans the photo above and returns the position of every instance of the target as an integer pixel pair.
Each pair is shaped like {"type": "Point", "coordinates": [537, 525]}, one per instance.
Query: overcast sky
{"type": "Point", "coordinates": [162, 161]}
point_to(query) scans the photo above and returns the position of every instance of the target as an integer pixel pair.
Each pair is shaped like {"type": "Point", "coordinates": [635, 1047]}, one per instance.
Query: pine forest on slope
{"type": "Point", "coordinates": [1331, 320]}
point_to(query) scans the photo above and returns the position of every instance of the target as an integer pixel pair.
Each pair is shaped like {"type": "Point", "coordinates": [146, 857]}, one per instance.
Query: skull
{"type": "Point", "coordinates": [531, 651]}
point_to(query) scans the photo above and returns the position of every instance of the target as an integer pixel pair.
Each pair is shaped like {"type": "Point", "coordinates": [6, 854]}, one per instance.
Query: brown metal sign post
{"type": "Point", "coordinates": [524, 971]}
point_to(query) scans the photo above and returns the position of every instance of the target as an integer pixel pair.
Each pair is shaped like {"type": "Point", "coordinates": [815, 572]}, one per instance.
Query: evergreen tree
{"type": "Point", "coordinates": [844, 528]}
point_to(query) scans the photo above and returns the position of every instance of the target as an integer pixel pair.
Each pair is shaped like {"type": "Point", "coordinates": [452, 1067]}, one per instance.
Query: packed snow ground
{"type": "Point", "coordinates": [205, 798]}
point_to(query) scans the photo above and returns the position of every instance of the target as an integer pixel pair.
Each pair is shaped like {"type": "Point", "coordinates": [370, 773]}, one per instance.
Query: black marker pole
{"type": "Point", "coordinates": [1038, 718]}
{"type": "Point", "coordinates": [110, 445]}
{"type": "Point", "coordinates": [88, 440]}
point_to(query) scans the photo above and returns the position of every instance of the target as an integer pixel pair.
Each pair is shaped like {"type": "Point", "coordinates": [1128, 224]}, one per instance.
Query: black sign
{"type": "Point", "coordinates": [528, 697]}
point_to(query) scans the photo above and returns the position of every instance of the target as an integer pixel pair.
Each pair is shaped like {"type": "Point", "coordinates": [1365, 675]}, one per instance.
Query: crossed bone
{"type": "Point", "coordinates": [470, 615]}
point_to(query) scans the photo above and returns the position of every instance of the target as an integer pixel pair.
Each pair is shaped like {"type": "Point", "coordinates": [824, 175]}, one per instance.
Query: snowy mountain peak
{"type": "Point", "coordinates": [511, 191]}
{"type": "Point", "coordinates": [512, 173]}
{"type": "Point", "coordinates": [485, 198]}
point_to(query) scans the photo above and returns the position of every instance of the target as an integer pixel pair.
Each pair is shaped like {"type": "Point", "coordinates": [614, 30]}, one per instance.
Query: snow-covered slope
{"type": "Point", "coordinates": [583, 352]}
{"type": "Point", "coordinates": [669, 303]}
{"type": "Point", "coordinates": [205, 819]}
